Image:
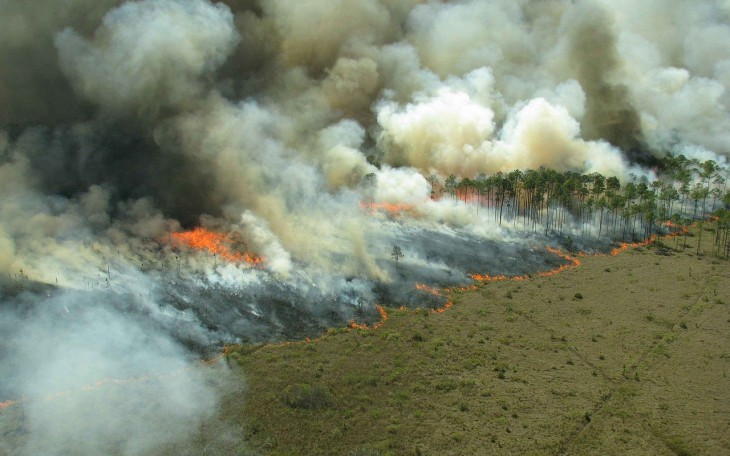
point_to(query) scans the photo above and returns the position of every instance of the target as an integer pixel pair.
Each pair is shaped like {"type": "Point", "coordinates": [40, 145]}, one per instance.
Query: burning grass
{"type": "Point", "coordinates": [218, 244]}
{"type": "Point", "coordinates": [389, 208]}
{"type": "Point", "coordinates": [528, 374]}
{"type": "Point", "coordinates": [513, 367]}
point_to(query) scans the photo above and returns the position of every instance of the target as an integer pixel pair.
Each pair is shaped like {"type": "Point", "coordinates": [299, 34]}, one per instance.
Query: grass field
{"type": "Point", "coordinates": [622, 355]}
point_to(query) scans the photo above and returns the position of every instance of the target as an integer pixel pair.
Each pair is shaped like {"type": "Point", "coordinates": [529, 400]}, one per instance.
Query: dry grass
{"type": "Point", "coordinates": [624, 355]}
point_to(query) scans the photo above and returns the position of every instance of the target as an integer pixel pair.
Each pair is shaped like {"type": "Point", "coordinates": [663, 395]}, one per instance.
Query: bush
{"type": "Point", "coordinates": [305, 396]}
{"type": "Point", "coordinates": [578, 296]}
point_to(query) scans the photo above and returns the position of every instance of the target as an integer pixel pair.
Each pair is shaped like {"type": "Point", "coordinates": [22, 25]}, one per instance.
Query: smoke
{"type": "Point", "coordinates": [264, 241]}
{"type": "Point", "coordinates": [313, 134]}
{"type": "Point", "coordinates": [96, 380]}
{"type": "Point", "coordinates": [451, 132]}
{"type": "Point", "coordinates": [160, 51]}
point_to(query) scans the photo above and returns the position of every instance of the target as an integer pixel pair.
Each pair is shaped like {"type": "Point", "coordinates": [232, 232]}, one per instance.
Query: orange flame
{"type": "Point", "coordinates": [429, 290]}
{"type": "Point", "coordinates": [203, 239]}
{"type": "Point", "coordinates": [7, 404]}
{"type": "Point", "coordinates": [676, 229]}
{"type": "Point", "coordinates": [573, 263]}
{"type": "Point", "coordinates": [383, 317]}
{"type": "Point", "coordinates": [391, 208]}
{"type": "Point", "coordinates": [215, 243]}
{"type": "Point", "coordinates": [443, 309]}
{"type": "Point", "coordinates": [624, 246]}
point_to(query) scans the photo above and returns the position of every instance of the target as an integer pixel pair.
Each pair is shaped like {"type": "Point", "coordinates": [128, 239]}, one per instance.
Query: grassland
{"type": "Point", "coordinates": [622, 355]}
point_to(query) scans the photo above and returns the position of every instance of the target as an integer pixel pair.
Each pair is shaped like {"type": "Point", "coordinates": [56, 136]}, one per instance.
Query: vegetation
{"type": "Point", "coordinates": [638, 365]}
{"type": "Point", "coordinates": [596, 205]}
{"type": "Point", "coordinates": [396, 254]}
{"type": "Point", "coordinates": [636, 362]}
{"type": "Point", "coordinates": [305, 396]}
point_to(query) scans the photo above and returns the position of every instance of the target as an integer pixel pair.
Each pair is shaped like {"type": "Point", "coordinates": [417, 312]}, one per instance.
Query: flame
{"type": "Point", "coordinates": [676, 229]}
{"type": "Point", "coordinates": [443, 309]}
{"type": "Point", "coordinates": [441, 292]}
{"type": "Point", "coordinates": [203, 239]}
{"type": "Point", "coordinates": [7, 404]}
{"type": "Point", "coordinates": [573, 263]}
{"type": "Point", "coordinates": [428, 289]}
{"type": "Point", "coordinates": [391, 208]}
{"type": "Point", "coordinates": [383, 318]}
{"type": "Point", "coordinates": [624, 246]}
{"type": "Point", "coordinates": [351, 325]}
{"type": "Point", "coordinates": [215, 243]}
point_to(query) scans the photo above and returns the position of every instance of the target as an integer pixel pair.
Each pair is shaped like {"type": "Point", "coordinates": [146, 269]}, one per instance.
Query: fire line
{"type": "Point", "coordinates": [215, 243]}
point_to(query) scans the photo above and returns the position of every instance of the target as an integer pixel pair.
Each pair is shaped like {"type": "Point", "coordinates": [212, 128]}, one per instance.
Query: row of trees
{"type": "Point", "coordinates": [685, 191]}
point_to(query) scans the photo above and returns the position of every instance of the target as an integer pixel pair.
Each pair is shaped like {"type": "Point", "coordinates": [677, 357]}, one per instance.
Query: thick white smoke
{"type": "Point", "coordinates": [149, 55]}
{"type": "Point", "coordinates": [96, 381]}
{"type": "Point", "coordinates": [453, 132]}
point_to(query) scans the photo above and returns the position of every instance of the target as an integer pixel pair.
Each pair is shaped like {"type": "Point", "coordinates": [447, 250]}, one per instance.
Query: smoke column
{"type": "Point", "coordinates": [277, 123]}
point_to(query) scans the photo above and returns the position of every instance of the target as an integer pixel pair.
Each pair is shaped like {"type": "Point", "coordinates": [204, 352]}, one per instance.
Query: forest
{"type": "Point", "coordinates": [685, 191]}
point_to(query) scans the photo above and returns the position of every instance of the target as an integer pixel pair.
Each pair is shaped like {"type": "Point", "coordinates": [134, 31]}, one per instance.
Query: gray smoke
{"type": "Point", "coordinates": [95, 380]}
{"type": "Point", "coordinates": [590, 43]}
{"type": "Point", "coordinates": [278, 123]}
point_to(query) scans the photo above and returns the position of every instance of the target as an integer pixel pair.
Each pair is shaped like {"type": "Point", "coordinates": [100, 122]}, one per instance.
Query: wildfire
{"type": "Point", "coordinates": [429, 290]}
{"type": "Point", "coordinates": [573, 263]}
{"type": "Point", "coordinates": [383, 317]}
{"type": "Point", "coordinates": [391, 208]}
{"type": "Point", "coordinates": [442, 292]}
{"type": "Point", "coordinates": [623, 246]}
{"type": "Point", "coordinates": [491, 278]}
{"type": "Point", "coordinates": [7, 404]}
{"type": "Point", "coordinates": [215, 243]}
{"type": "Point", "coordinates": [443, 309]}
{"type": "Point", "coordinates": [352, 324]}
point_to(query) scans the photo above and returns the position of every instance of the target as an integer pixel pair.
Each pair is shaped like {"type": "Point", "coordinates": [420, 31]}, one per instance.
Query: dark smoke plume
{"type": "Point", "coordinates": [610, 114]}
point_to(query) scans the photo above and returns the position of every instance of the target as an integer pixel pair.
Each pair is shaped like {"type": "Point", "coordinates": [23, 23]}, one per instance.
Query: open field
{"type": "Point", "coordinates": [622, 355]}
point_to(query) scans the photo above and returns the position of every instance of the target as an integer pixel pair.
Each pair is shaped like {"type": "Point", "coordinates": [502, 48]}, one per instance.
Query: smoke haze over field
{"type": "Point", "coordinates": [122, 122]}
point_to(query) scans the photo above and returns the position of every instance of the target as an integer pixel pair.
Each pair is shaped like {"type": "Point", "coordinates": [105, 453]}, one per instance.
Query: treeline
{"type": "Point", "coordinates": [685, 191]}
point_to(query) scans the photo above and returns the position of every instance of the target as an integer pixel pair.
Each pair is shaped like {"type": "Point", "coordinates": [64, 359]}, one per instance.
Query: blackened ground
{"type": "Point", "coordinates": [269, 309]}
{"type": "Point", "coordinates": [204, 313]}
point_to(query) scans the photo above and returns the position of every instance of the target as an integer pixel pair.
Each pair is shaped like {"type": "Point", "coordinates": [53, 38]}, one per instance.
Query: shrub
{"type": "Point", "coordinates": [306, 396]}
